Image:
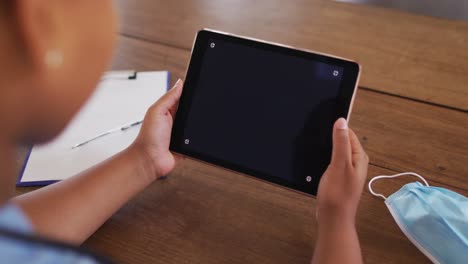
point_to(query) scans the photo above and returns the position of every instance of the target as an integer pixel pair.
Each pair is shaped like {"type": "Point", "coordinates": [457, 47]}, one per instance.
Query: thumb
{"type": "Point", "coordinates": [341, 145]}
{"type": "Point", "coordinates": [170, 100]}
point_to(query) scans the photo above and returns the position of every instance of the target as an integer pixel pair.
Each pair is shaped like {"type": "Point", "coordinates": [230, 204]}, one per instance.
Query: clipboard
{"type": "Point", "coordinates": [135, 91]}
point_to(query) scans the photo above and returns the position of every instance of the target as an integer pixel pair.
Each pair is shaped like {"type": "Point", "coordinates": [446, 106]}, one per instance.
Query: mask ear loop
{"type": "Point", "coordinates": [369, 186]}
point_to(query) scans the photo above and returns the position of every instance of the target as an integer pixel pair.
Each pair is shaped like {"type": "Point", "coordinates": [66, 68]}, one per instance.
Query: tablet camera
{"type": "Point", "coordinates": [308, 179]}
{"type": "Point", "coordinates": [335, 73]}
{"type": "Point", "coordinates": [212, 45]}
{"type": "Point", "coordinates": [187, 141]}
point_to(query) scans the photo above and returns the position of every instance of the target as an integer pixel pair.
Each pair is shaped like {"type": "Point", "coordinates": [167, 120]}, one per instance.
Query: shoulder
{"type": "Point", "coordinates": [12, 218]}
{"type": "Point", "coordinates": [18, 245]}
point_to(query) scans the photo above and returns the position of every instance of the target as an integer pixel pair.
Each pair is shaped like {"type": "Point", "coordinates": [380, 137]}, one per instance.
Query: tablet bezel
{"type": "Point", "coordinates": [347, 91]}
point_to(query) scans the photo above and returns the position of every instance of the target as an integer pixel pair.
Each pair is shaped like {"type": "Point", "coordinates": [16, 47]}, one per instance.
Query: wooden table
{"type": "Point", "coordinates": [410, 114]}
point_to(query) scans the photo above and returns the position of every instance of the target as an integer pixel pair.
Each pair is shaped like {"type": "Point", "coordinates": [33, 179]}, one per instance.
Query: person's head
{"type": "Point", "coordinates": [52, 55]}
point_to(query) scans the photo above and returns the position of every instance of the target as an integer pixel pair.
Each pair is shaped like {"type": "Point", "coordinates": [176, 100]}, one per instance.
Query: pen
{"type": "Point", "coordinates": [123, 128]}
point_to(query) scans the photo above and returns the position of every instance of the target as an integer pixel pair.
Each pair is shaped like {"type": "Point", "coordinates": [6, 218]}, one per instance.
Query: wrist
{"type": "Point", "coordinates": [335, 218]}
{"type": "Point", "coordinates": [145, 167]}
{"type": "Point", "coordinates": [335, 225]}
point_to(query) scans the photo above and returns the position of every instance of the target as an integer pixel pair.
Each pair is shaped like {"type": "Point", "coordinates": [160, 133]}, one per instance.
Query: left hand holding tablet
{"type": "Point", "coordinates": [155, 134]}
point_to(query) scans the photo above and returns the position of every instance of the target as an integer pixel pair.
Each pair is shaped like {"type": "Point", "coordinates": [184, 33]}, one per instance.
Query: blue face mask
{"type": "Point", "coordinates": [434, 219]}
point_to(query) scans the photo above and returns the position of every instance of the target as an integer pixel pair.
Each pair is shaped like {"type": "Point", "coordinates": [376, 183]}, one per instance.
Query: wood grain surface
{"type": "Point", "coordinates": [409, 55]}
{"type": "Point", "coordinates": [411, 114]}
{"type": "Point", "coordinates": [205, 214]}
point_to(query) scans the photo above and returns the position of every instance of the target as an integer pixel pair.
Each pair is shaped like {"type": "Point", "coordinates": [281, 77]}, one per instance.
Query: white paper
{"type": "Point", "coordinates": [115, 103]}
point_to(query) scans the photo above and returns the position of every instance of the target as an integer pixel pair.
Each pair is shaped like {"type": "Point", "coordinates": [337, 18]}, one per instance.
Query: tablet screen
{"type": "Point", "coordinates": [261, 112]}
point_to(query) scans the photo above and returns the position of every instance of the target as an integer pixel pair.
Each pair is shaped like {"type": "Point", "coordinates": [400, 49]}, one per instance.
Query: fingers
{"type": "Point", "coordinates": [178, 92]}
{"type": "Point", "coordinates": [359, 156]}
{"type": "Point", "coordinates": [356, 147]}
{"type": "Point", "coordinates": [170, 100]}
{"type": "Point", "coordinates": [341, 155]}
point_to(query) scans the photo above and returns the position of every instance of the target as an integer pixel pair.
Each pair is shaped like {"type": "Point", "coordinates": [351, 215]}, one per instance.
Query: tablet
{"type": "Point", "coordinates": [262, 109]}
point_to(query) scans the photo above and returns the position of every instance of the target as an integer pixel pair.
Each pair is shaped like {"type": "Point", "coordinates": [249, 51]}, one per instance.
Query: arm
{"type": "Point", "coordinates": [73, 209]}
{"type": "Point", "coordinates": [338, 198]}
{"type": "Point", "coordinates": [337, 242]}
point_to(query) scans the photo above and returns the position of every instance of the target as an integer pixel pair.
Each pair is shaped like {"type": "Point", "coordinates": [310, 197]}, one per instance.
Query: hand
{"type": "Point", "coordinates": [155, 134]}
{"type": "Point", "coordinates": [341, 185]}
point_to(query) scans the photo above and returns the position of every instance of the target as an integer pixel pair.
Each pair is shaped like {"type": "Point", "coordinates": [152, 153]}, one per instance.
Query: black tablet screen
{"type": "Point", "coordinates": [269, 112]}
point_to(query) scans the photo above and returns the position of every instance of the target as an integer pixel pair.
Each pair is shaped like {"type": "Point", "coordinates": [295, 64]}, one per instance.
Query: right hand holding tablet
{"type": "Point", "coordinates": [341, 185]}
